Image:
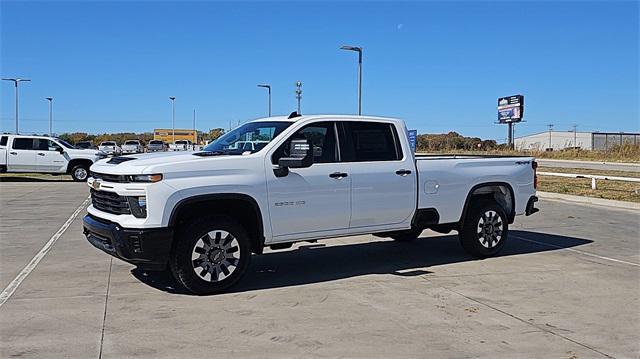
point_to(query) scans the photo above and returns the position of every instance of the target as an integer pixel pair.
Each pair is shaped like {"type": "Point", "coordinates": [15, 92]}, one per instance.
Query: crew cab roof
{"type": "Point", "coordinates": [328, 117]}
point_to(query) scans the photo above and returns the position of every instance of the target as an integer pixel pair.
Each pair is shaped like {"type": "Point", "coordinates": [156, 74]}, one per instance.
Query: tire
{"type": "Point", "coordinates": [80, 173]}
{"type": "Point", "coordinates": [206, 250]}
{"type": "Point", "coordinates": [408, 235]}
{"type": "Point", "coordinates": [485, 229]}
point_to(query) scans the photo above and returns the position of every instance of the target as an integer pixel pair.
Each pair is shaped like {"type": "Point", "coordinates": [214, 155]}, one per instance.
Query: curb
{"type": "Point", "coordinates": [589, 200]}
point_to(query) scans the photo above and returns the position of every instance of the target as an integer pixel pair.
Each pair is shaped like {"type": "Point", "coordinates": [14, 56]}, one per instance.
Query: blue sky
{"type": "Point", "coordinates": [439, 65]}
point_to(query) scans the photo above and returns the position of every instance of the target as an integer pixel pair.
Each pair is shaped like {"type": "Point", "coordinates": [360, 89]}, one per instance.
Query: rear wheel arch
{"type": "Point", "coordinates": [241, 207]}
{"type": "Point", "coordinates": [500, 192]}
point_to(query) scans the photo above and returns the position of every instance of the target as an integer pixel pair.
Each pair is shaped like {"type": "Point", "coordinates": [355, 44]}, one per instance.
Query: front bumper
{"type": "Point", "coordinates": [148, 248]}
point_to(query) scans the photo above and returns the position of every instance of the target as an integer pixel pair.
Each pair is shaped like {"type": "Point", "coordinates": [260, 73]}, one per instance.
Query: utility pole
{"type": "Point", "coordinates": [194, 126]}
{"type": "Point", "coordinates": [173, 116]}
{"type": "Point", "coordinates": [50, 99]}
{"type": "Point", "coordinates": [16, 81]}
{"type": "Point", "coordinates": [298, 94]}
{"type": "Point", "coordinates": [575, 137]}
{"type": "Point", "coordinates": [550, 130]}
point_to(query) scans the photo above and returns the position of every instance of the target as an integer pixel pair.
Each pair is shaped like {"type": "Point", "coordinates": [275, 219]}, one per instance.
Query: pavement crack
{"type": "Point", "coordinates": [546, 330]}
{"type": "Point", "coordinates": [106, 301]}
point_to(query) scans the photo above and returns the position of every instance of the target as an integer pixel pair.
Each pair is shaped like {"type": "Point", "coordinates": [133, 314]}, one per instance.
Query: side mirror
{"type": "Point", "coordinates": [300, 156]}
{"type": "Point", "coordinates": [61, 150]}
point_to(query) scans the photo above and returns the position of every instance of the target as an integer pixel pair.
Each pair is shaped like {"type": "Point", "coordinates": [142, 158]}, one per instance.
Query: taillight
{"type": "Point", "coordinates": [534, 165]}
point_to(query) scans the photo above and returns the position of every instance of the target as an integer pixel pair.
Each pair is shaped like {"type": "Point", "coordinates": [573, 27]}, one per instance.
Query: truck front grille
{"type": "Point", "coordinates": [110, 202]}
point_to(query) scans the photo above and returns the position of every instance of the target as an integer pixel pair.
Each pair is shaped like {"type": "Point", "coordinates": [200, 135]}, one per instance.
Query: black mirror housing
{"type": "Point", "coordinates": [300, 155]}
{"type": "Point", "coordinates": [61, 150]}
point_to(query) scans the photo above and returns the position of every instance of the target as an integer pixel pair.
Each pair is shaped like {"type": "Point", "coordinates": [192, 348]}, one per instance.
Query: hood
{"type": "Point", "coordinates": [146, 163]}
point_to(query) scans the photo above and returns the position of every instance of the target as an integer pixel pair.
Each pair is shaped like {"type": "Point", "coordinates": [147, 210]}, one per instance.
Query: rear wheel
{"type": "Point", "coordinates": [80, 173]}
{"type": "Point", "coordinates": [211, 254]}
{"type": "Point", "coordinates": [485, 229]}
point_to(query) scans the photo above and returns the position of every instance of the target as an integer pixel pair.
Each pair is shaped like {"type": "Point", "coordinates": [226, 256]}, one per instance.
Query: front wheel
{"type": "Point", "coordinates": [485, 229]}
{"type": "Point", "coordinates": [211, 255]}
{"type": "Point", "coordinates": [80, 173]}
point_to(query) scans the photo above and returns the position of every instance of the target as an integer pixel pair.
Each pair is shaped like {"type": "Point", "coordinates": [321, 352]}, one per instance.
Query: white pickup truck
{"type": "Point", "coordinates": [132, 146]}
{"type": "Point", "coordinates": [181, 145]}
{"type": "Point", "coordinates": [203, 214]}
{"type": "Point", "coordinates": [42, 154]}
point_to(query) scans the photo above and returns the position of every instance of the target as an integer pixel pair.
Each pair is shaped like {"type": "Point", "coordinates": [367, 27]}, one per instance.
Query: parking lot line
{"type": "Point", "coordinates": [15, 283]}
{"type": "Point", "coordinates": [576, 251]}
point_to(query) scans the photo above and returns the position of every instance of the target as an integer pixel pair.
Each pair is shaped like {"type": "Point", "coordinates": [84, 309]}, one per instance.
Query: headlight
{"type": "Point", "coordinates": [138, 206]}
{"type": "Point", "coordinates": [146, 178]}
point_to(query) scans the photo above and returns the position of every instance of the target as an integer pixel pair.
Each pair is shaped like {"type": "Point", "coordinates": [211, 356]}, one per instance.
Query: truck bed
{"type": "Point", "coordinates": [445, 181]}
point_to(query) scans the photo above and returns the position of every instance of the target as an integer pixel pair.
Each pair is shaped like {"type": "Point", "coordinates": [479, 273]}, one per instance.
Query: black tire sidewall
{"type": "Point", "coordinates": [469, 235]}
{"type": "Point", "coordinates": [181, 264]}
{"type": "Point", "coordinates": [73, 171]}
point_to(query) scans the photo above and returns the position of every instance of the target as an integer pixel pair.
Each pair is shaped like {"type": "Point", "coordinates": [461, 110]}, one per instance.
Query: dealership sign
{"type": "Point", "coordinates": [510, 109]}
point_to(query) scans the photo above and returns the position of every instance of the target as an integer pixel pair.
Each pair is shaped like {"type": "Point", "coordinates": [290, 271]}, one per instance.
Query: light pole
{"type": "Point", "coordinates": [268, 87]}
{"type": "Point", "coordinates": [359, 50]}
{"type": "Point", "coordinates": [298, 94]}
{"type": "Point", "coordinates": [194, 126]}
{"type": "Point", "coordinates": [550, 130]}
{"type": "Point", "coordinates": [173, 116]}
{"type": "Point", "coordinates": [50, 115]}
{"type": "Point", "coordinates": [15, 82]}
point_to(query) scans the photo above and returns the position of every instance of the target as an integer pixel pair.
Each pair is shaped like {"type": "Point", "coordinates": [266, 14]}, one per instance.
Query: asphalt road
{"type": "Point", "coordinates": [567, 285]}
{"type": "Point", "coordinates": [592, 165]}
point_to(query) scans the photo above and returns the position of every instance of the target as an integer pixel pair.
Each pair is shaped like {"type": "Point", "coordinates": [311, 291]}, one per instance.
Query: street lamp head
{"type": "Point", "coordinates": [49, 98]}
{"type": "Point", "coordinates": [264, 85]}
{"type": "Point", "coordinates": [351, 48]}
{"type": "Point", "coordinates": [172, 98]}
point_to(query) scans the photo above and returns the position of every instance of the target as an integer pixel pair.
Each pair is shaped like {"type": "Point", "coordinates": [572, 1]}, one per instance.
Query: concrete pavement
{"type": "Point", "coordinates": [566, 285]}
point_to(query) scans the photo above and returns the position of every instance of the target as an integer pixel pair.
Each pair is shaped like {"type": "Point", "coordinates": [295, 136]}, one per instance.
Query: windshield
{"type": "Point", "coordinates": [64, 143]}
{"type": "Point", "coordinates": [250, 137]}
{"type": "Point", "coordinates": [131, 143]}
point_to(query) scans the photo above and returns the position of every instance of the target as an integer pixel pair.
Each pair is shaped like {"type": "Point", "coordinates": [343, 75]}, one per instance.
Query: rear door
{"type": "Point", "coordinates": [22, 155]}
{"type": "Point", "coordinates": [383, 178]}
{"type": "Point", "coordinates": [49, 158]}
{"type": "Point", "coordinates": [313, 201]}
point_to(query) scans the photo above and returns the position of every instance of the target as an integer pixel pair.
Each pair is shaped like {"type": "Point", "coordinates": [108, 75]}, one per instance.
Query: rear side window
{"type": "Point", "coordinates": [371, 141]}
{"type": "Point", "coordinates": [3, 140]}
{"type": "Point", "coordinates": [23, 143]}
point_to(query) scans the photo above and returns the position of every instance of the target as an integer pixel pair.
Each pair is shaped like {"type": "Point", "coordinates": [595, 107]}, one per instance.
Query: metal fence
{"type": "Point", "coordinates": [605, 141]}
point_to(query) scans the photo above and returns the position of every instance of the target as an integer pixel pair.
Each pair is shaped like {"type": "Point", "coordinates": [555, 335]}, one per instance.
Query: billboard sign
{"type": "Point", "coordinates": [510, 109]}
{"type": "Point", "coordinates": [413, 138]}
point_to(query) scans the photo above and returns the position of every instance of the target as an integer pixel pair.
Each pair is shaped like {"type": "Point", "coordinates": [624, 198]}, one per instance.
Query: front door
{"type": "Point", "coordinates": [49, 158]}
{"type": "Point", "coordinates": [313, 201]}
{"type": "Point", "coordinates": [21, 157]}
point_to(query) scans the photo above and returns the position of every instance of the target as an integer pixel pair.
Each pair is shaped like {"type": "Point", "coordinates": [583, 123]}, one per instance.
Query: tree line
{"type": "Point", "coordinates": [120, 137]}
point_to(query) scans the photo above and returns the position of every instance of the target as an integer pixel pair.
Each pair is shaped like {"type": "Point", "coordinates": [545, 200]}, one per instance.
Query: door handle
{"type": "Point", "coordinates": [40, 154]}
{"type": "Point", "coordinates": [13, 153]}
{"type": "Point", "coordinates": [338, 175]}
{"type": "Point", "coordinates": [403, 172]}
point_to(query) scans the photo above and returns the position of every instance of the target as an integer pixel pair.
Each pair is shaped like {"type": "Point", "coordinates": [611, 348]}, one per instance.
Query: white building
{"type": "Point", "coordinates": [558, 140]}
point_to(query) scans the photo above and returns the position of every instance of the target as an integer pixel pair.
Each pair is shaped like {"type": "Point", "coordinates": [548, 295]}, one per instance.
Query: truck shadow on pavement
{"type": "Point", "coordinates": [35, 179]}
{"type": "Point", "coordinates": [317, 262]}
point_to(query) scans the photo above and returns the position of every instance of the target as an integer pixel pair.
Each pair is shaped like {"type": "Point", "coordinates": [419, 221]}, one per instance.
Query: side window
{"type": "Point", "coordinates": [371, 141]}
{"type": "Point", "coordinates": [322, 136]}
{"type": "Point", "coordinates": [23, 143]}
{"type": "Point", "coordinates": [3, 140]}
{"type": "Point", "coordinates": [52, 146]}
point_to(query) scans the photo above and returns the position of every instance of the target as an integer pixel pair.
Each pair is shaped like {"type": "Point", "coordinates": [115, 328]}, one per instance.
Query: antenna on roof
{"type": "Point", "coordinates": [294, 114]}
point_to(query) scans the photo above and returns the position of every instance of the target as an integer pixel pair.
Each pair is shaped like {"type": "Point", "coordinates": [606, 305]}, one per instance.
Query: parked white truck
{"type": "Point", "coordinates": [42, 154]}
{"type": "Point", "coordinates": [203, 214]}
{"type": "Point", "coordinates": [132, 146]}
{"type": "Point", "coordinates": [181, 145]}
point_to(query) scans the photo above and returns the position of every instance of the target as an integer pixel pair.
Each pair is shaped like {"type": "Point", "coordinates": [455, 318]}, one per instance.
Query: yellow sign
{"type": "Point", "coordinates": [166, 135]}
